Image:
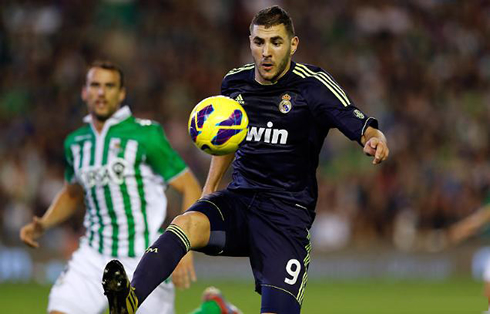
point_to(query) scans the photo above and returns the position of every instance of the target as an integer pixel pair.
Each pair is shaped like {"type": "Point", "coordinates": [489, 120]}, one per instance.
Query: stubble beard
{"type": "Point", "coordinates": [102, 117]}
{"type": "Point", "coordinates": [280, 69]}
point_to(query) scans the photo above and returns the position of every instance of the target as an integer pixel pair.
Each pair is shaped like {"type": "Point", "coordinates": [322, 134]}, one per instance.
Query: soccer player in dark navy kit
{"type": "Point", "coordinates": [268, 208]}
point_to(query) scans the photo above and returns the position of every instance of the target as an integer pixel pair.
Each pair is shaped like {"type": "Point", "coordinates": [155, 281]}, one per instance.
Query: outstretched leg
{"type": "Point", "coordinates": [189, 230]}
{"type": "Point", "coordinates": [118, 290]}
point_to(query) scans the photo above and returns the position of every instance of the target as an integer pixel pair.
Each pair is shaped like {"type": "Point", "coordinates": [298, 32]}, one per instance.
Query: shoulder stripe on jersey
{"type": "Point", "coordinates": [247, 66]}
{"type": "Point", "coordinates": [327, 77]}
{"type": "Point", "coordinates": [333, 90]}
{"type": "Point", "coordinates": [304, 72]}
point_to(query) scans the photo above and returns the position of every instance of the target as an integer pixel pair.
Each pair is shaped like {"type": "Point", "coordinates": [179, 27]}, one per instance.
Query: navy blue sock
{"type": "Point", "coordinates": [159, 261]}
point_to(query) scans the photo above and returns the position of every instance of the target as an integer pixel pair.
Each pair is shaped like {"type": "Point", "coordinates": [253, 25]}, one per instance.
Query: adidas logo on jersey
{"type": "Point", "coordinates": [112, 172]}
{"type": "Point", "coordinates": [267, 135]}
{"type": "Point", "coordinates": [240, 100]}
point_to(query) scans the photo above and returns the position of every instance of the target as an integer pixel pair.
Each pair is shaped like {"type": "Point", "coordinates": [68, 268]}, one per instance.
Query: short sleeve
{"type": "Point", "coordinates": [233, 77]}
{"type": "Point", "coordinates": [69, 172]}
{"type": "Point", "coordinates": [225, 90]}
{"type": "Point", "coordinates": [330, 104]}
{"type": "Point", "coordinates": [161, 157]}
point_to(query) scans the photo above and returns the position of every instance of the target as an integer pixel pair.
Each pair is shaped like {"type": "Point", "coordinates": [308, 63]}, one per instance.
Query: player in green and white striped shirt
{"type": "Point", "coordinates": [119, 166]}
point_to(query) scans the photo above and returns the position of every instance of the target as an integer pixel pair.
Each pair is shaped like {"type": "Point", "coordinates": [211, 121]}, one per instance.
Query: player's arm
{"type": "Point", "coordinates": [189, 187]}
{"type": "Point", "coordinates": [166, 162]}
{"type": "Point", "coordinates": [330, 105]}
{"type": "Point", "coordinates": [374, 142]}
{"type": "Point", "coordinates": [469, 226]}
{"type": "Point", "coordinates": [217, 169]}
{"type": "Point", "coordinates": [185, 271]}
{"type": "Point", "coordinates": [219, 164]}
{"type": "Point", "coordinates": [63, 206]}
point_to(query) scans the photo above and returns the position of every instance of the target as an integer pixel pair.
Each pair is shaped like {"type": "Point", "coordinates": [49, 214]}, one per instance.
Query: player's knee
{"type": "Point", "coordinates": [207, 214]}
{"type": "Point", "coordinates": [196, 226]}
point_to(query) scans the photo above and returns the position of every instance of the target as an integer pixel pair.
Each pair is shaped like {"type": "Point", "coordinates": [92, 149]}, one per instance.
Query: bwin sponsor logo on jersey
{"type": "Point", "coordinates": [113, 172]}
{"type": "Point", "coordinates": [267, 135]}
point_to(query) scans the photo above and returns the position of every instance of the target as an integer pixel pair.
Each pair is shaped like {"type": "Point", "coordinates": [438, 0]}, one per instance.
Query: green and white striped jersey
{"type": "Point", "coordinates": [124, 171]}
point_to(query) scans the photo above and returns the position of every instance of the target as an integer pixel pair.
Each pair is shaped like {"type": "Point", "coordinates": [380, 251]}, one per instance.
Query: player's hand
{"type": "Point", "coordinates": [377, 148]}
{"type": "Point", "coordinates": [31, 232]}
{"type": "Point", "coordinates": [184, 273]}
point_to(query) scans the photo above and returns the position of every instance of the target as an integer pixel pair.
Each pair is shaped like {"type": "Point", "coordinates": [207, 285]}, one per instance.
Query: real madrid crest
{"type": "Point", "coordinates": [285, 105]}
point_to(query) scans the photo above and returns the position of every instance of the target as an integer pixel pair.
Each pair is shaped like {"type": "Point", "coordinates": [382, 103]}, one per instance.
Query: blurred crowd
{"type": "Point", "coordinates": [422, 67]}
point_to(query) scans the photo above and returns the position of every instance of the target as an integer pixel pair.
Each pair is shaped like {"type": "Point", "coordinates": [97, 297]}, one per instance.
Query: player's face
{"type": "Point", "coordinates": [103, 93]}
{"type": "Point", "coordinates": [272, 50]}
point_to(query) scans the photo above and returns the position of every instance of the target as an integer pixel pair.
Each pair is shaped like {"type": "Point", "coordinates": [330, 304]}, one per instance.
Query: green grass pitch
{"type": "Point", "coordinates": [322, 297]}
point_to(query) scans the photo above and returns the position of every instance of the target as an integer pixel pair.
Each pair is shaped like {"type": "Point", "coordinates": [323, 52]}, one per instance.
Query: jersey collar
{"type": "Point", "coordinates": [288, 73]}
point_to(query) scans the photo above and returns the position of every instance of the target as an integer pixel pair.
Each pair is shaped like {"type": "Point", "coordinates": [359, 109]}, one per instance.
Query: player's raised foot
{"type": "Point", "coordinates": [212, 294]}
{"type": "Point", "coordinates": [117, 288]}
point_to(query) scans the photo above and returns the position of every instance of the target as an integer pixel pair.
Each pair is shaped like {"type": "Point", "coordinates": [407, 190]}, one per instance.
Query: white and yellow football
{"type": "Point", "coordinates": [217, 125]}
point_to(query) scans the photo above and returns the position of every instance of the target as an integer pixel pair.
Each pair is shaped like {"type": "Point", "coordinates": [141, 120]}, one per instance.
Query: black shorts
{"type": "Point", "coordinates": [272, 232]}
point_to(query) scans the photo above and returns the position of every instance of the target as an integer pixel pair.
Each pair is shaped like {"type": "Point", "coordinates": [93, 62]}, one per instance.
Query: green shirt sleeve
{"type": "Point", "coordinates": [163, 159]}
{"type": "Point", "coordinates": [69, 172]}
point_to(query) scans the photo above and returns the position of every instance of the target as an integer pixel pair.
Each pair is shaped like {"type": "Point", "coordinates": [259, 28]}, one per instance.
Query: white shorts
{"type": "Point", "coordinates": [78, 290]}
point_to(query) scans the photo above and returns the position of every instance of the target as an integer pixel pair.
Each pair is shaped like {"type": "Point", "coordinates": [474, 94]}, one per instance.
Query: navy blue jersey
{"type": "Point", "coordinates": [289, 121]}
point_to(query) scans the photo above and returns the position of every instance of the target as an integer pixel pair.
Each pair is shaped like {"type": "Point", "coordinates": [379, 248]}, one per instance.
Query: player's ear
{"type": "Point", "coordinates": [294, 44]}
{"type": "Point", "coordinates": [122, 94]}
{"type": "Point", "coordinates": [84, 93]}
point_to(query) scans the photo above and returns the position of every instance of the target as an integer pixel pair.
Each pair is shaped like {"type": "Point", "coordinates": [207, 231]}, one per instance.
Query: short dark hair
{"type": "Point", "coordinates": [108, 65]}
{"type": "Point", "coordinates": [273, 16]}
